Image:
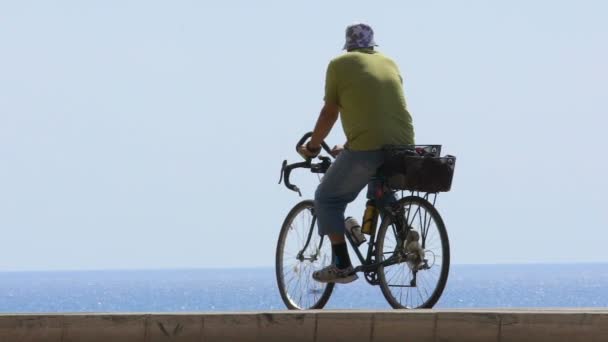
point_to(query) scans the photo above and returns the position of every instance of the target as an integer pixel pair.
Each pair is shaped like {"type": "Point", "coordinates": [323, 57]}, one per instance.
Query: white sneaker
{"type": "Point", "coordinates": [332, 274]}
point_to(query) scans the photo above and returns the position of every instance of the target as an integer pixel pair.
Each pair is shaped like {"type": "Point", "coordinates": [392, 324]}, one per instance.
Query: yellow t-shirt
{"type": "Point", "coordinates": [368, 88]}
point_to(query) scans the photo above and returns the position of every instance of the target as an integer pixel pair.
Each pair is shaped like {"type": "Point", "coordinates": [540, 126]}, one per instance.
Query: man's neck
{"type": "Point", "coordinates": [359, 49]}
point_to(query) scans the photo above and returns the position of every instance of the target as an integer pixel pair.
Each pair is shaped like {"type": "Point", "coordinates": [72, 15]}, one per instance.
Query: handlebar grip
{"type": "Point", "coordinates": [303, 140]}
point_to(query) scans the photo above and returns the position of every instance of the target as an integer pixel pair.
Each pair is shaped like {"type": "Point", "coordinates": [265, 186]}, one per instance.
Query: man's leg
{"type": "Point", "coordinates": [347, 176]}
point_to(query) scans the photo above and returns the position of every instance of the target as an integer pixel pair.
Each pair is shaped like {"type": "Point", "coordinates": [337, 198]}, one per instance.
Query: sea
{"type": "Point", "coordinates": [255, 289]}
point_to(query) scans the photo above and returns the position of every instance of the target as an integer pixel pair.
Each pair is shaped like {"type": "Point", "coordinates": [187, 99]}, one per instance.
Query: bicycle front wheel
{"type": "Point", "coordinates": [414, 282]}
{"type": "Point", "coordinates": [300, 252]}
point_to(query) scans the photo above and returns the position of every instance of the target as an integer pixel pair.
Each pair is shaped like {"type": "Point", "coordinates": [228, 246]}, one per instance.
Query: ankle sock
{"type": "Point", "coordinates": [341, 254]}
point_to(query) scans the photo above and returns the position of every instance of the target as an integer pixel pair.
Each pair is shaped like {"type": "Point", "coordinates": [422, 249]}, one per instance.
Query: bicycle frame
{"type": "Point", "coordinates": [402, 223]}
{"type": "Point", "coordinates": [368, 264]}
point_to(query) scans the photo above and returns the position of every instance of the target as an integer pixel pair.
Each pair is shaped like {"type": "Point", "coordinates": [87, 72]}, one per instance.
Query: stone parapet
{"type": "Point", "coordinates": [500, 325]}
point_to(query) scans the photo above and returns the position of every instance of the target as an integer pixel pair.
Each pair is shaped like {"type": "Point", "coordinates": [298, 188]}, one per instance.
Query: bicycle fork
{"type": "Point", "coordinates": [300, 256]}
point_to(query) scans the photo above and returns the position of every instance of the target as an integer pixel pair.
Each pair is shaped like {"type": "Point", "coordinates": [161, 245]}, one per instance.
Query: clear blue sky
{"type": "Point", "coordinates": [149, 134]}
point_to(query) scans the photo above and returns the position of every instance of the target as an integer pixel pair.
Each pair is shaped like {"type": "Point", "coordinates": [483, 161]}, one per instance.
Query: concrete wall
{"type": "Point", "coordinates": [420, 325]}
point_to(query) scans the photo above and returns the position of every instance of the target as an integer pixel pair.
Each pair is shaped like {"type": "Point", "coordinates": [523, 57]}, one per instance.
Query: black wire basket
{"type": "Point", "coordinates": [418, 168]}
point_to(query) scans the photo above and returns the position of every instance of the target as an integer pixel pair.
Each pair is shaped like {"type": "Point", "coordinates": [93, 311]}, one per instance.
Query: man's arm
{"type": "Point", "coordinates": [325, 122]}
{"type": "Point", "coordinates": [327, 118]}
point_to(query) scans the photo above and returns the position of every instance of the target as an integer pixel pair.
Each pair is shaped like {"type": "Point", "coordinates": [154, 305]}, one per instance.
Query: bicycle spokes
{"type": "Point", "coordinates": [414, 282]}
{"type": "Point", "coordinates": [300, 253]}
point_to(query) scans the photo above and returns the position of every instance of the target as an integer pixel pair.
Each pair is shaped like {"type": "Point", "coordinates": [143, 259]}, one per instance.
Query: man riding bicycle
{"type": "Point", "coordinates": [366, 88]}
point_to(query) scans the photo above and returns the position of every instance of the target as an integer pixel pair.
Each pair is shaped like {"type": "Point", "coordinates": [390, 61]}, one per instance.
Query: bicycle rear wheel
{"type": "Point", "coordinates": [416, 283]}
{"type": "Point", "coordinates": [300, 252]}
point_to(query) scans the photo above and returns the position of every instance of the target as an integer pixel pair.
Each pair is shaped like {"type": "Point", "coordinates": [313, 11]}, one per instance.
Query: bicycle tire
{"type": "Point", "coordinates": [445, 254]}
{"type": "Point", "coordinates": [327, 288]}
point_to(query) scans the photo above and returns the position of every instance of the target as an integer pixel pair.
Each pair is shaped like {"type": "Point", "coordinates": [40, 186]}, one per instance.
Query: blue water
{"type": "Point", "coordinates": [469, 286]}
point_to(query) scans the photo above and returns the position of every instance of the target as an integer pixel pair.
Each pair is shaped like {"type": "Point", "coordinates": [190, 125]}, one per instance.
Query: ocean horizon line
{"type": "Point", "coordinates": [252, 268]}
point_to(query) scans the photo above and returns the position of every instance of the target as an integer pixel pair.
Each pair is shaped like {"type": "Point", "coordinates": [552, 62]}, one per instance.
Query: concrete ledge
{"type": "Point", "coordinates": [499, 325]}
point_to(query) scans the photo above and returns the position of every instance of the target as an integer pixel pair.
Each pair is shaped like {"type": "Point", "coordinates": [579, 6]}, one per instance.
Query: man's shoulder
{"type": "Point", "coordinates": [344, 61]}
{"type": "Point", "coordinates": [340, 59]}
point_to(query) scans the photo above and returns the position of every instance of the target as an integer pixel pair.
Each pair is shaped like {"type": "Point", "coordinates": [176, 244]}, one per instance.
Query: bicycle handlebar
{"type": "Point", "coordinates": [308, 164]}
{"type": "Point", "coordinates": [305, 137]}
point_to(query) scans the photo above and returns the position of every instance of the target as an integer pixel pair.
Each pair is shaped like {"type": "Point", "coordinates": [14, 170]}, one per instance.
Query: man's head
{"type": "Point", "coordinates": [359, 36]}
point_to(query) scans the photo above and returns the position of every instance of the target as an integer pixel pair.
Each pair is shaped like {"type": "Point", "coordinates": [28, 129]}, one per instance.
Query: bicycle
{"type": "Point", "coordinates": [391, 261]}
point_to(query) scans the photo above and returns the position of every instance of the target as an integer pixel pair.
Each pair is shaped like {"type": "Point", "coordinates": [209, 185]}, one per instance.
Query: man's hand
{"type": "Point", "coordinates": [336, 150]}
{"type": "Point", "coordinates": [305, 152]}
